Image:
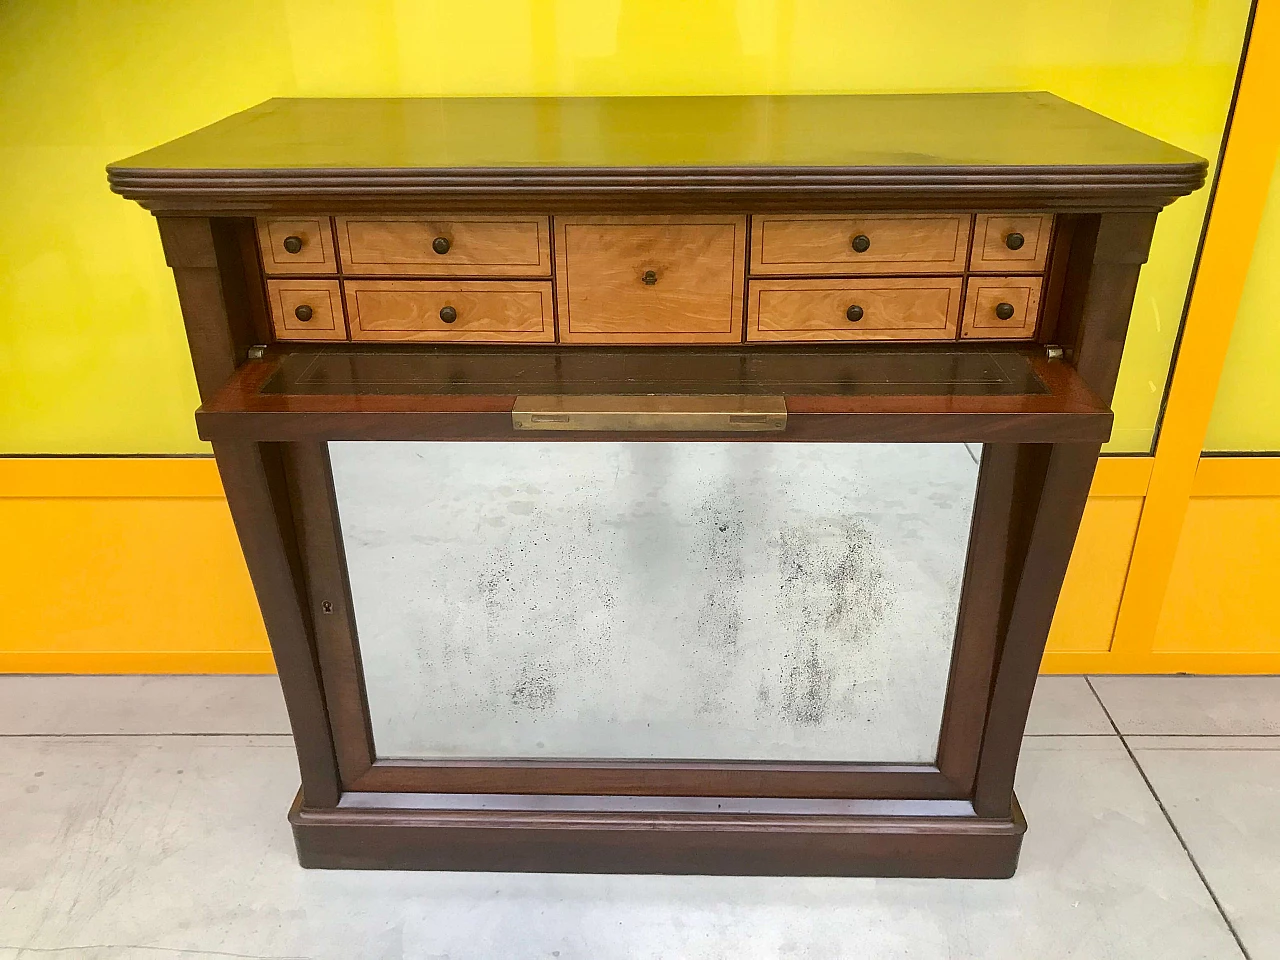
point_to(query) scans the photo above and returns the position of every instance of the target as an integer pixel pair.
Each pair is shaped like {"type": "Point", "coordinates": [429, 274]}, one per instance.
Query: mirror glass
{"type": "Point", "coordinates": [649, 600]}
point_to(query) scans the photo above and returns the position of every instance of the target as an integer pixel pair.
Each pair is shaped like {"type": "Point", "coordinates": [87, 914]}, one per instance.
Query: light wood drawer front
{"type": "Point", "coordinates": [881, 309]}
{"type": "Point", "coordinates": [1011, 243]}
{"type": "Point", "coordinates": [454, 246]}
{"type": "Point", "coordinates": [824, 245]}
{"type": "Point", "coordinates": [306, 309]}
{"type": "Point", "coordinates": [296, 246]}
{"type": "Point", "coordinates": [1001, 308]}
{"type": "Point", "coordinates": [475, 311]}
{"type": "Point", "coordinates": [650, 279]}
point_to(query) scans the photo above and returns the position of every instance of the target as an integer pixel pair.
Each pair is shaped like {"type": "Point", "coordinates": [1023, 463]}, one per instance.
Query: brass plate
{"type": "Point", "coordinates": [663, 414]}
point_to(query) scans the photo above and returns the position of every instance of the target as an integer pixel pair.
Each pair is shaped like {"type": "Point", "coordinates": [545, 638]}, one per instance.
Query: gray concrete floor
{"type": "Point", "coordinates": [144, 818]}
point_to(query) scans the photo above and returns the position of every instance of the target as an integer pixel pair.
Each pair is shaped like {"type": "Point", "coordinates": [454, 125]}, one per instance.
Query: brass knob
{"type": "Point", "coordinates": [854, 313]}
{"type": "Point", "coordinates": [440, 245]}
{"type": "Point", "coordinates": [862, 243]}
{"type": "Point", "coordinates": [448, 314]}
{"type": "Point", "coordinates": [649, 278]}
{"type": "Point", "coordinates": [1004, 310]}
{"type": "Point", "coordinates": [303, 312]}
{"type": "Point", "coordinates": [293, 244]}
{"type": "Point", "coordinates": [1014, 241]}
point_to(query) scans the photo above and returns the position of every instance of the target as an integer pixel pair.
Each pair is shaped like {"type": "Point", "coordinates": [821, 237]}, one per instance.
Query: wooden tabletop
{"type": "Point", "coordinates": [949, 141]}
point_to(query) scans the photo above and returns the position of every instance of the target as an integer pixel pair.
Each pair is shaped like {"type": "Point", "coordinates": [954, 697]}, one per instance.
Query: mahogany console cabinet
{"type": "Point", "coordinates": [658, 484]}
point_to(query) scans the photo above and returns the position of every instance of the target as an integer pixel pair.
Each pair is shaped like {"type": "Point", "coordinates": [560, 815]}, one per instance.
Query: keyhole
{"type": "Point", "coordinates": [326, 606]}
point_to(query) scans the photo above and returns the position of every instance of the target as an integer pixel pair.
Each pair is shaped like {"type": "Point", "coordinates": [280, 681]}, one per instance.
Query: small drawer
{"type": "Point", "coordinates": [829, 245]}
{"type": "Point", "coordinates": [474, 311]}
{"type": "Point", "coordinates": [650, 279]}
{"type": "Point", "coordinates": [1011, 243]}
{"type": "Point", "coordinates": [296, 246]}
{"type": "Point", "coordinates": [1001, 308]}
{"type": "Point", "coordinates": [306, 310]}
{"type": "Point", "coordinates": [880, 309]}
{"type": "Point", "coordinates": [448, 247]}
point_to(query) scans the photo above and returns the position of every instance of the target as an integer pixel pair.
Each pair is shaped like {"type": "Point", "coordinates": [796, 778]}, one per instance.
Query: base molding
{"type": "Point", "coordinates": [621, 835]}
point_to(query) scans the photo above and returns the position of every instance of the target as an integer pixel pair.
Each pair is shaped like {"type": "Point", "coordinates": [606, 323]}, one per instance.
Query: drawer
{"type": "Point", "coordinates": [306, 310]}
{"type": "Point", "coordinates": [446, 247]}
{"type": "Point", "coordinates": [296, 246]}
{"type": "Point", "coordinates": [824, 245]}
{"type": "Point", "coordinates": [474, 311]}
{"type": "Point", "coordinates": [1011, 243]}
{"type": "Point", "coordinates": [1001, 308]}
{"type": "Point", "coordinates": [650, 279]}
{"type": "Point", "coordinates": [881, 309]}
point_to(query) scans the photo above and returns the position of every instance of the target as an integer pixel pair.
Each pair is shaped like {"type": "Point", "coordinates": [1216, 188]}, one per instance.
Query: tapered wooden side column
{"type": "Point", "coordinates": [1106, 259]}
{"type": "Point", "coordinates": [1118, 250]}
{"type": "Point", "coordinates": [1055, 481]}
{"type": "Point", "coordinates": [252, 477]}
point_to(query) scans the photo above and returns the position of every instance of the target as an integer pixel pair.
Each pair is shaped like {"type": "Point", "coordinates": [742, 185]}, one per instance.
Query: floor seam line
{"type": "Point", "coordinates": [1207, 736]}
{"type": "Point", "coordinates": [1231, 927]}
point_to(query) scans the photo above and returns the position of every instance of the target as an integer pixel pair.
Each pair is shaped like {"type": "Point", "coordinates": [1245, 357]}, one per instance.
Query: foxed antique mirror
{"type": "Point", "coordinates": [655, 600]}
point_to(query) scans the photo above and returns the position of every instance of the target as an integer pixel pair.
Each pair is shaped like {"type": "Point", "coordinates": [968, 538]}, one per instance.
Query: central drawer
{"type": "Point", "coordinates": [637, 280]}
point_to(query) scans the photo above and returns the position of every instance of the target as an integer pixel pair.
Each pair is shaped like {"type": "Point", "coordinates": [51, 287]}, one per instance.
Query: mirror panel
{"type": "Point", "coordinates": [649, 600]}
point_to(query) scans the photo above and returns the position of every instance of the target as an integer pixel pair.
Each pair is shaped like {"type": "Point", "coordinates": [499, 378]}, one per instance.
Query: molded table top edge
{"type": "Point", "coordinates": [953, 143]}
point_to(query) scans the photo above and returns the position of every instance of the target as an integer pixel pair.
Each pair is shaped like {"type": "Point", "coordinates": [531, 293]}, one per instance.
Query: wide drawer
{"type": "Point", "coordinates": [879, 309]}
{"type": "Point", "coordinates": [826, 245]}
{"type": "Point", "coordinates": [650, 279]}
{"type": "Point", "coordinates": [475, 311]}
{"type": "Point", "coordinates": [445, 247]}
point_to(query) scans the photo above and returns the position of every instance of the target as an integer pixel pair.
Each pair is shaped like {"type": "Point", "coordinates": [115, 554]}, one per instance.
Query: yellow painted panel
{"type": "Point", "coordinates": [92, 354]}
{"type": "Point", "coordinates": [1121, 477]}
{"type": "Point", "coordinates": [1090, 599]}
{"type": "Point", "coordinates": [41, 478]}
{"type": "Point", "coordinates": [1237, 477]}
{"type": "Point", "coordinates": [1190, 661]}
{"type": "Point", "coordinates": [147, 577]}
{"type": "Point", "coordinates": [126, 585]}
{"type": "Point", "coordinates": [1222, 595]}
{"type": "Point", "coordinates": [1246, 412]}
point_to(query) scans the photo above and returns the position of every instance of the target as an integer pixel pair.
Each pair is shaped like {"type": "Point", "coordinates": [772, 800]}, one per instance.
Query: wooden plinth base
{"type": "Point", "coordinates": [657, 835]}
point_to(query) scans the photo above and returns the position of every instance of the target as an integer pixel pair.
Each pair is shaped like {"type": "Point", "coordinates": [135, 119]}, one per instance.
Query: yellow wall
{"type": "Point", "coordinates": [122, 565]}
{"type": "Point", "coordinates": [1246, 413]}
{"type": "Point", "coordinates": [1198, 594]}
{"type": "Point", "coordinates": [92, 357]}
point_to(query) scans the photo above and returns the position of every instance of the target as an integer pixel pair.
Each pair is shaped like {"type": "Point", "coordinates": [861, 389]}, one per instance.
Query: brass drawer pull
{"type": "Point", "coordinates": [862, 243]}
{"type": "Point", "coordinates": [655, 414]}
{"type": "Point", "coordinates": [293, 244]}
{"type": "Point", "coordinates": [441, 245]}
